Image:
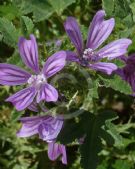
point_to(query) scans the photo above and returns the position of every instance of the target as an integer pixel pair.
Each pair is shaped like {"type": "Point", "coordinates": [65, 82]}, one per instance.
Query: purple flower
{"type": "Point", "coordinates": [38, 85]}
{"type": "Point", "coordinates": [88, 55]}
{"type": "Point", "coordinates": [127, 73]}
{"type": "Point", "coordinates": [55, 150]}
{"type": "Point", "coordinates": [47, 127]}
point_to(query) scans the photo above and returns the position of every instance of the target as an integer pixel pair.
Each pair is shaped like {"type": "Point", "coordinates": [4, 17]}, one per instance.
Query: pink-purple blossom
{"type": "Point", "coordinates": [38, 87]}
{"type": "Point", "coordinates": [127, 72]}
{"type": "Point", "coordinates": [48, 128]}
{"type": "Point", "coordinates": [55, 150]}
{"type": "Point", "coordinates": [90, 55]}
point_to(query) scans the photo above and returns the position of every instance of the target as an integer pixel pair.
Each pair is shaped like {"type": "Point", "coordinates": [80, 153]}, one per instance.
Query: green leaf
{"type": "Point", "coordinates": [92, 144]}
{"type": "Point", "coordinates": [73, 129]}
{"type": "Point", "coordinates": [112, 130]}
{"type": "Point", "coordinates": [41, 9]}
{"type": "Point", "coordinates": [15, 59]}
{"type": "Point", "coordinates": [121, 10]}
{"type": "Point", "coordinates": [9, 32]}
{"type": "Point", "coordinates": [60, 5]}
{"type": "Point", "coordinates": [122, 164]}
{"type": "Point", "coordinates": [116, 130]}
{"type": "Point", "coordinates": [132, 6]}
{"type": "Point", "coordinates": [91, 94]}
{"type": "Point", "coordinates": [115, 82]}
{"type": "Point", "coordinates": [108, 6]}
{"type": "Point", "coordinates": [9, 11]}
{"type": "Point", "coordinates": [27, 25]}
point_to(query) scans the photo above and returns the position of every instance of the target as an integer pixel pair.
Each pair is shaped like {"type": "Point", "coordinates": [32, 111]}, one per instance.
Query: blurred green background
{"type": "Point", "coordinates": [45, 19]}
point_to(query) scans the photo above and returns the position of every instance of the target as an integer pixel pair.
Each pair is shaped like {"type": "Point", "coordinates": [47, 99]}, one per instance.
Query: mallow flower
{"type": "Point", "coordinates": [127, 72]}
{"type": "Point", "coordinates": [89, 54]}
{"type": "Point", "coordinates": [37, 83]}
{"type": "Point", "coordinates": [55, 150]}
{"type": "Point", "coordinates": [48, 128]}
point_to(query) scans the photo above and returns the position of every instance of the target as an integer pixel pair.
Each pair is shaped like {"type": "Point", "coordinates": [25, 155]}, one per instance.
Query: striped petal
{"type": "Point", "coordinates": [12, 75]}
{"type": "Point", "coordinates": [114, 49]}
{"type": "Point", "coordinates": [55, 150]}
{"type": "Point", "coordinates": [107, 68]}
{"type": "Point", "coordinates": [23, 98]}
{"type": "Point", "coordinates": [29, 52]}
{"type": "Point", "coordinates": [72, 56]}
{"type": "Point", "coordinates": [29, 126]}
{"type": "Point", "coordinates": [99, 30]}
{"type": "Point", "coordinates": [73, 31]}
{"type": "Point", "coordinates": [33, 106]}
{"type": "Point", "coordinates": [50, 128]}
{"type": "Point", "coordinates": [54, 64]}
{"type": "Point", "coordinates": [47, 93]}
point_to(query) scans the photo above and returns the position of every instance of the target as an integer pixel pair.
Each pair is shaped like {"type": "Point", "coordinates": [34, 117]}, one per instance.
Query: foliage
{"type": "Point", "coordinates": [101, 106]}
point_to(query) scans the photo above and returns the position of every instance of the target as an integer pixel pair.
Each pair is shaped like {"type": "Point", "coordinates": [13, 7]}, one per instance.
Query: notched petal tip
{"type": "Point", "coordinates": [99, 30]}
{"type": "Point", "coordinates": [101, 12]}
{"type": "Point", "coordinates": [73, 31]}
{"type": "Point", "coordinates": [29, 52]}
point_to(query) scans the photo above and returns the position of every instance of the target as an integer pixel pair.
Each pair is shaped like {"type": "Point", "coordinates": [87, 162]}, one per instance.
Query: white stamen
{"type": "Point", "coordinates": [87, 53]}
{"type": "Point", "coordinates": [37, 80]}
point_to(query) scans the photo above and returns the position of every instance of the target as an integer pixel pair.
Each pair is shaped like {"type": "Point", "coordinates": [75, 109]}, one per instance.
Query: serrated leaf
{"type": "Point", "coordinates": [60, 5]}
{"type": "Point", "coordinates": [27, 25]}
{"type": "Point", "coordinates": [41, 9]}
{"type": "Point", "coordinates": [112, 130]}
{"type": "Point", "coordinates": [92, 144]}
{"type": "Point", "coordinates": [9, 32]}
{"type": "Point", "coordinates": [9, 11]}
{"type": "Point", "coordinates": [120, 9]}
{"type": "Point", "coordinates": [115, 82]}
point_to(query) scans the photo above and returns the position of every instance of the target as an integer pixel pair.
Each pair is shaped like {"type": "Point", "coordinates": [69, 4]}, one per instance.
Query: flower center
{"type": "Point", "coordinates": [88, 53]}
{"type": "Point", "coordinates": [37, 80]}
{"type": "Point", "coordinates": [90, 56]}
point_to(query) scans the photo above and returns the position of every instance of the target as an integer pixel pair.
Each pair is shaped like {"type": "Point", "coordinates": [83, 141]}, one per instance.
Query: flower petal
{"type": "Point", "coordinates": [29, 52]}
{"type": "Point", "coordinates": [72, 56]}
{"type": "Point", "coordinates": [99, 30]}
{"type": "Point", "coordinates": [12, 75]}
{"type": "Point", "coordinates": [33, 107]}
{"type": "Point", "coordinates": [131, 60]}
{"type": "Point", "coordinates": [73, 31]}
{"type": "Point", "coordinates": [29, 126]}
{"type": "Point", "coordinates": [120, 72]}
{"type": "Point", "coordinates": [47, 93]}
{"type": "Point", "coordinates": [23, 98]}
{"type": "Point", "coordinates": [55, 150]}
{"type": "Point", "coordinates": [114, 49]}
{"type": "Point", "coordinates": [54, 64]}
{"type": "Point", "coordinates": [123, 58]}
{"type": "Point", "coordinates": [50, 128]}
{"type": "Point", "coordinates": [107, 68]}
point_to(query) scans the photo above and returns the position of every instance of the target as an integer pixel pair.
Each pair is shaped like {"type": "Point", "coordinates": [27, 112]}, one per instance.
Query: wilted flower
{"type": "Point", "coordinates": [88, 55]}
{"type": "Point", "coordinates": [38, 85]}
{"type": "Point", "coordinates": [127, 73]}
{"type": "Point", "coordinates": [55, 150]}
{"type": "Point", "coordinates": [47, 127]}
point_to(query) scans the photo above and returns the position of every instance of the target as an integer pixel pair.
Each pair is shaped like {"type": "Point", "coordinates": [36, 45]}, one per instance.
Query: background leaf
{"type": "Point", "coordinates": [9, 32]}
